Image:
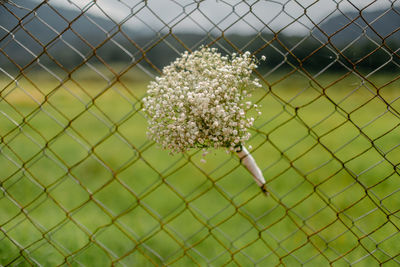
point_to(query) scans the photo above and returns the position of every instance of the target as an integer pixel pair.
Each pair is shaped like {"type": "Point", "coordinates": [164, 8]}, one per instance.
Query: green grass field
{"type": "Point", "coordinates": [82, 185]}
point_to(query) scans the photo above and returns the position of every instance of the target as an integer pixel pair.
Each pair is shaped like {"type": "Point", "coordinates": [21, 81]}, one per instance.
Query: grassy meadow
{"type": "Point", "coordinates": [81, 184]}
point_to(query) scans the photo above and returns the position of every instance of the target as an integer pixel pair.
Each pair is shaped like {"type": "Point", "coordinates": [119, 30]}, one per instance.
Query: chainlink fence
{"type": "Point", "coordinates": [81, 184]}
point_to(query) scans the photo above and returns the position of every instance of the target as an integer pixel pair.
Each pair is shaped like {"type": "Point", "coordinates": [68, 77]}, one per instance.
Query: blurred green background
{"type": "Point", "coordinates": [82, 185]}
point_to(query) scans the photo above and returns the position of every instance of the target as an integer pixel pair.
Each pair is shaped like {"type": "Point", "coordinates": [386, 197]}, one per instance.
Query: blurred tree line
{"type": "Point", "coordinates": [309, 53]}
{"type": "Point", "coordinates": [282, 52]}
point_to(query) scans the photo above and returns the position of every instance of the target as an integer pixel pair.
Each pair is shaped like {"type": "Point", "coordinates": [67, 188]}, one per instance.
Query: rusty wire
{"type": "Point", "coordinates": [328, 146]}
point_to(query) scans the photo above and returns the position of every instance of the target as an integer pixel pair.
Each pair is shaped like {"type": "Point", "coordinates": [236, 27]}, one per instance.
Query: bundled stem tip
{"type": "Point", "coordinates": [248, 161]}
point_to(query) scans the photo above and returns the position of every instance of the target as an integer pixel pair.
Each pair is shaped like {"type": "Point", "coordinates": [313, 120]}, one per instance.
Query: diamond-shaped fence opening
{"type": "Point", "coordinates": [81, 184]}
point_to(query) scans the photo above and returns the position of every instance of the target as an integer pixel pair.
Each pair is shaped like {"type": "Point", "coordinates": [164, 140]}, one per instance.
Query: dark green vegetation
{"type": "Point", "coordinates": [81, 184]}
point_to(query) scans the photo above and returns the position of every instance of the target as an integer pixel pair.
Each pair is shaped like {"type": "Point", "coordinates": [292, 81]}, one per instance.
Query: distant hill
{"type": "Point", "coordinates": [48, 19]}
{"type": "Point", "coordinates": [345, 27]}
{"type": "Point", "coordinates": [23, 34]}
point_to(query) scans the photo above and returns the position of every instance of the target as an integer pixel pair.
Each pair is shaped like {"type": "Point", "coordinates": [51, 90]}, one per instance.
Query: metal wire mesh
{"type": "Point", "coordinates": [81, 184]}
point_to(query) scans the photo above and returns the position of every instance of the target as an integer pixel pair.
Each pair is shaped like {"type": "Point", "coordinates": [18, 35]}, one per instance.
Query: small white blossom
{"type": "Point", "coordinates": [198, 101]}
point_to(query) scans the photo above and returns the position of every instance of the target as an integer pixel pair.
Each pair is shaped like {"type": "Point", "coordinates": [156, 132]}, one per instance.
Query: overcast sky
{"type": "Point", "coordinates": [211, 15]}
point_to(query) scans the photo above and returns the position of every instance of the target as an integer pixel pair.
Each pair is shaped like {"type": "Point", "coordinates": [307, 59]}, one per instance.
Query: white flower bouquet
{"type": "Point", "coordinates": [199, 102]}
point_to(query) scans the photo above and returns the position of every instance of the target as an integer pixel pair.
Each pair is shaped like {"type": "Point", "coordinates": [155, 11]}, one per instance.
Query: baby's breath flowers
{"type": "Point", "coordinates": [199, 102]}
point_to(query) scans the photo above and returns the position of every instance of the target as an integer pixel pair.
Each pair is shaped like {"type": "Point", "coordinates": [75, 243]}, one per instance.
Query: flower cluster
{"type": "Point", "coordinates": [199, 101]}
